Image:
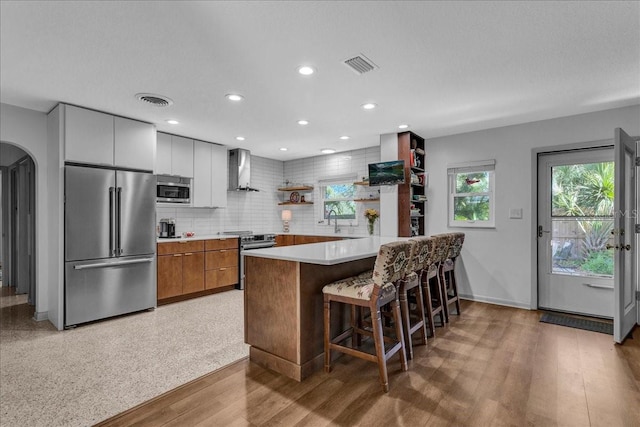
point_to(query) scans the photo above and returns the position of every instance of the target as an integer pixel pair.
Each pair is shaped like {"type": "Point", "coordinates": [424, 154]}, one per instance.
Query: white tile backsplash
{"type": "Point", "coordinates": [260, 212]}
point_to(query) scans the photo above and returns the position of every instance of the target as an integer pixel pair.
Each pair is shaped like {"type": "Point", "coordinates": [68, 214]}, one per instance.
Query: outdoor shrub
{"type": "Point", "coordinates": [600, 262]}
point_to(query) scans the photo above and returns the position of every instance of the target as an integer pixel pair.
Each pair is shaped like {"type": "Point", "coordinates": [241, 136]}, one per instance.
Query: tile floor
{"type": "Point", "coordinates": [85, 375]}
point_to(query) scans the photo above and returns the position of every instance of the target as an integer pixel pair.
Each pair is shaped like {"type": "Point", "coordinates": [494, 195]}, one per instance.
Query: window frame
{"type": "Point", "coordinates": [485, 166]}
{"type": "Point", "coordinates": [341, 180]}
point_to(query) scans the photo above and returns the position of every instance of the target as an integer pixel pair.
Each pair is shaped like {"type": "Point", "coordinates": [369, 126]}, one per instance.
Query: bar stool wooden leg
{"type": "Point", "coordinates": [327, 334]}
{"type": "Point", "coordinates": [395, 308]}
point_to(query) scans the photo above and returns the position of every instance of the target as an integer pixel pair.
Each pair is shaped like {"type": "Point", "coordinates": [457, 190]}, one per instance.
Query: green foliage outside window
{"type": "Point", "coordinates": [468, 205]}
{"type": "Point", "coordinates": [339, 198]}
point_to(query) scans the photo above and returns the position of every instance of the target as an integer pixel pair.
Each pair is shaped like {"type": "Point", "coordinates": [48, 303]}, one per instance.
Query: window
{"type": "Point", "coordinates": [338, 198]}
{"type": "Point", "coordinates": [471, 198]}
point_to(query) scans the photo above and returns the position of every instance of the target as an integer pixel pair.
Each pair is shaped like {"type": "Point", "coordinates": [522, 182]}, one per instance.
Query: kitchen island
{"type": "Point", "coordinates": [283, 300]}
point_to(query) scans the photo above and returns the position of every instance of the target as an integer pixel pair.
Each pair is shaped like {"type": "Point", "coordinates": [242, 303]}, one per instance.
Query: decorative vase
{"type": "Point", "coordinates": [370, 226]}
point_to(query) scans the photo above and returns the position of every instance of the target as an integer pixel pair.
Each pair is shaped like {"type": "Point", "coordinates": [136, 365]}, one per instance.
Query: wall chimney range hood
{"type": "Point", "coordinates": [240, 170]}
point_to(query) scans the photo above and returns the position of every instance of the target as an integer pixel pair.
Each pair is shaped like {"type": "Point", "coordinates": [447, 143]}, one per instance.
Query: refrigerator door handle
{"type": "Point", "coordinates": [112, 264]}
{"type": "Point", "coordinates": [119, 221]}
{"type": "Point", "coordinates": [112, 249]}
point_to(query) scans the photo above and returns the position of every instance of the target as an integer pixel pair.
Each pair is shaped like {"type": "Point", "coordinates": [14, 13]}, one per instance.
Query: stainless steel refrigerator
{"type": "Point", "coordinates": [110, 243]}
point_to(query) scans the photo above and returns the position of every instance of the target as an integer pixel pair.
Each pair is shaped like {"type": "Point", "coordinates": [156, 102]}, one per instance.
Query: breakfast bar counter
{"type": "Point", "coordinates": [284, 304]}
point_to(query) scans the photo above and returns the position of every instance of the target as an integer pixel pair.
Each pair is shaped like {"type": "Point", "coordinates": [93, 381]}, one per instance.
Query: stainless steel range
{"type": "Point", "coordinates": [249, 241]}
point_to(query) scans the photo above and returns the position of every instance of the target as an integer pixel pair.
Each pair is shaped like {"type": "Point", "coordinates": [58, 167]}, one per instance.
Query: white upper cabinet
{"type": "Point", "coordinates": [201, 189]}
{"type": "Point", "coordinates": [88, 136]}
{"type": "Point", "coordinates": [163, 154]}
{"type": "Point", "coordinates": [219, 175]}
{"type": "Point", "coordinates": [101, 139]}
{"type": "Point", "coordinates": [210, 175]}
{"type": "Point", "coordinates": [182, 156]}
{"type": "Point", "coordinates": [134, 144]}
{"type": "Point", "coordinates": [174, 155]}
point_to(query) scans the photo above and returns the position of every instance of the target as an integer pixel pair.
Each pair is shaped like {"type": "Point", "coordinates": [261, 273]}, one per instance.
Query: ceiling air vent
{"type": "Point", "coordinates": [360, 64]}
{"type": "Point", "coordinates": [155, 100]}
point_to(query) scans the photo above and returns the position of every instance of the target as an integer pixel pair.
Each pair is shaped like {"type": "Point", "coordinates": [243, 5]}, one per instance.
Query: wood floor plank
{"type": "Point", "coordinates": [492, 366]}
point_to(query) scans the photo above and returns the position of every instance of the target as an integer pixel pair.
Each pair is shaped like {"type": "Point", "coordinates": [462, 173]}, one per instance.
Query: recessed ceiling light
{"type": "Point", "coordinates": [173, 122]}
{"type": "Point", "coordinates": [234, 97]}
{"type": "Point", "coordinates": [345, 137]}
{"type": "Point", "coordinates": [240, 138]}
{"type": "Point", "coordinates": [403, 126]}
{"type": "Point", "coordinates": [369, 106]}
{"type": "Point", "coordinates": [306, 70]}
{"type": "Point", "coordinates": [328, 150]}
{"type": "Point", "coordinates": [283, 149]}
{"type": "Point", "coordinates": [303, 122]}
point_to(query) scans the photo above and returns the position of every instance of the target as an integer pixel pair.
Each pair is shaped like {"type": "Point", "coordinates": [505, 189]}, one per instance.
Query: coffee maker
{"type": "Point", "coordinates": [167, 228]}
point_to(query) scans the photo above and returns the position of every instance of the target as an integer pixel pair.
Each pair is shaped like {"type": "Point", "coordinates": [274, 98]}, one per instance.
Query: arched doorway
{"type": "Point", "coordinates": [17, 228]}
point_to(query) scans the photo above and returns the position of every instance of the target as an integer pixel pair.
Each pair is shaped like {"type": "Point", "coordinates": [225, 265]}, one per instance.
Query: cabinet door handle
{"type": "Point", "coordinates": [177, 254]}
{"type": "Point", "coordinates": [222, 269]}
{"type": "Point", "coordinates": [188, 254]}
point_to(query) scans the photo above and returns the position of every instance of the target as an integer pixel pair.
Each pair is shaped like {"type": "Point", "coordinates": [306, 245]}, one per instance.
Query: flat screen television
{"type": "Point", "coordinates": [386, 173]}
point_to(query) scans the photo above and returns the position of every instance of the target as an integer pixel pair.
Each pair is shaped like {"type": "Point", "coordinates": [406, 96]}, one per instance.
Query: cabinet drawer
{"type": "Point", "coordinates": [213, 245]}
{"type": "Point", "coordinates": [180, 247]}
{"type": "Point", "coordinates": [221, 277]}
{"type": "Point", "coordinates": [223, 258]}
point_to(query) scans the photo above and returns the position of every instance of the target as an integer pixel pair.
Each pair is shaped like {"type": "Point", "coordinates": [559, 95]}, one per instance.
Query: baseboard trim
{"type": "Point", "coordinates": [39, 316]}
{"type": "Point", "coordinates": [496, 301]}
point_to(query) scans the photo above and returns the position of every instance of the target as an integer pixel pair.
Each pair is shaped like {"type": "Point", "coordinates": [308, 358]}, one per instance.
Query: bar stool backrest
{"type": "Point", "coordinates": [456, 241]}
{"type": "Point", "coordinates": [423, 253]}
{"type": "Point", "coordinates": [441, 251]}
{"type": "Point", "coordinates": [391, 263]}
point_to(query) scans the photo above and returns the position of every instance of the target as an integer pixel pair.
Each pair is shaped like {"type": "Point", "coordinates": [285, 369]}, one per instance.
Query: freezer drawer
{"type": "Point", "coordinates": [104, 288]}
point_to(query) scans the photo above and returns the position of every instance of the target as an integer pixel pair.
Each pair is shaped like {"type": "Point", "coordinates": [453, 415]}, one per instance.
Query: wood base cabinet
{"type": "Point", "coordinates": [298, 239]}
{"type": "Point", "coordinates": [222, 261]}
{"type": "Point", "coordinates": [180, 268]}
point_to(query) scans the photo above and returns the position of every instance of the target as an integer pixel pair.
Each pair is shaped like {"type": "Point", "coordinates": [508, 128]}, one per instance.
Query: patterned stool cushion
{"type": "Point", "coordinates": [358, 288]}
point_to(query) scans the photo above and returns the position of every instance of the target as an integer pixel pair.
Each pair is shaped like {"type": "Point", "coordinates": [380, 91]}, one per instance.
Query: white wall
{"type": "Point", "coordinates": [497, 264]}
{"type": "Point", "coordinates": [254, 211]}
{"type": "Point", "coordinates": [28, 130]}
{"type": "Point", "coordinates": [305, 218]}
{"type": "Point", "coordinates": [259, 211]}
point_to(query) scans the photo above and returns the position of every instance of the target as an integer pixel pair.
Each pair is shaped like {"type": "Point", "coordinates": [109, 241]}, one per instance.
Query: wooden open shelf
{"type": "Point", "coordinates": [299, 188]}
{"type": "Point", "coordinates": [295, 203]}
{"type": "Point", "coordinates": [365, 183]}
{"type": "Point", "coordinates": [366, 200]}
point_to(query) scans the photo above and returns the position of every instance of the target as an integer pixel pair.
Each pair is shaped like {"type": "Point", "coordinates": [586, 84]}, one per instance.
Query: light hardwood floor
{"type": "Point", "coordinates": [492, 366]}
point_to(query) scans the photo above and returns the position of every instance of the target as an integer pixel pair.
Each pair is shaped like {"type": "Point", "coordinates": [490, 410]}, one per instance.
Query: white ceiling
{"type": "Point", "coordinates": [444, 67]}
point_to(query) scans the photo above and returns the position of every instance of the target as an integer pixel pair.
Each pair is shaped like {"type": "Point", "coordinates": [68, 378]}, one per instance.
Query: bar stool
{"type": "Point", "coordinates": [423, 262]}
{"type": "Point", "coordinates": [432, 283]}
{"type": "Point", "coordinates": [411, 284]}
{"type": "Point", "coordinates": [450, 285]}
{"type": "Point", "coordinates": [373, 293]}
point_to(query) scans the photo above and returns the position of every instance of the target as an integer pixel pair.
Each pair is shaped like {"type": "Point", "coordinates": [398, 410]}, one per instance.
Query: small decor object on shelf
{"type": "Point", "coordinates": [371, 215]}
{"type": "Point", "coordinates": [294, 197]}
{"type": "Point", "coordinates": [302, 199]}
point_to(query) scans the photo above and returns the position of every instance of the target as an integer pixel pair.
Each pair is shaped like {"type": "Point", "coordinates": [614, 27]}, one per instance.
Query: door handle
{"type": "Point", "coordinates": [112, 251]}
{"type": "Point", "coordinates": [625, 247]}
{"type": "Point", "coordinates": [540, 231]}
{"type": "Point", "coordinates": [112, 264]}
{"type": "Point", "coordinates": [119, 224]}
{"type": "Point", "coordinates": [611, 246]}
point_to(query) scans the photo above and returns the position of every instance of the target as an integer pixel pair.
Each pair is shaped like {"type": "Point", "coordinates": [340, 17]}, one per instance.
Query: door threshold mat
{"type": "Point", "coordinates": [577, 322]}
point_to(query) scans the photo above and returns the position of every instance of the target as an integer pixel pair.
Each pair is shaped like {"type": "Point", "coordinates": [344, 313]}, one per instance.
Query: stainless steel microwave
{"type": "Point", "coordinates": [173, 189]}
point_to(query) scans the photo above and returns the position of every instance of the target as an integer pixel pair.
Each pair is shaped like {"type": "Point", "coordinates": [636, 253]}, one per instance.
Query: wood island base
{"type": "Point", "coordinates": [284, 312]}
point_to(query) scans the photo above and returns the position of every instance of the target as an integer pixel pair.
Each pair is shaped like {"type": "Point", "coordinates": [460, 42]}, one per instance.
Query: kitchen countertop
{"type": "Point", "coordinates": [327, 253]}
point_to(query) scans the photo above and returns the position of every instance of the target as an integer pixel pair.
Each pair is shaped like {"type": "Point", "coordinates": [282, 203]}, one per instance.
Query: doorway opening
{"type": "Point", "coordinates": [575, 223]}
{"type": "Point", "coordinates": [17, 232]}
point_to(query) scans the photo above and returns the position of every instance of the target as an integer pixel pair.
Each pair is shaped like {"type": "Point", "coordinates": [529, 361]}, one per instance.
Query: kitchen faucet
{"type": "Point", "coordinates": [335, 218]}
